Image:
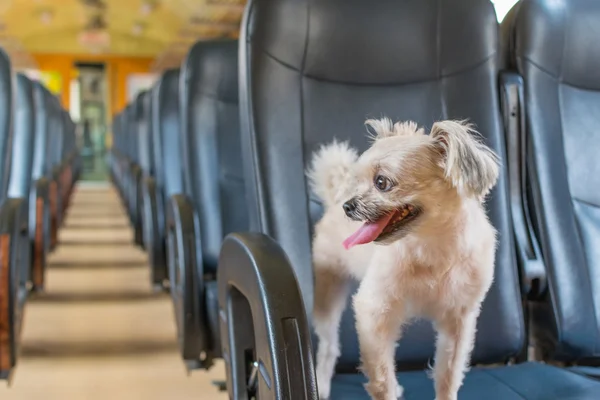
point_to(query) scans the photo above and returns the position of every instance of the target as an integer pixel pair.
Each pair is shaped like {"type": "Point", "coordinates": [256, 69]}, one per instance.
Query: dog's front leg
{"type": "Point", "coordinates": [331, 293]}
{"type": "Point", "coordinates": [378, 322]}
{"type": "Point", "coordinates": [456, 336]}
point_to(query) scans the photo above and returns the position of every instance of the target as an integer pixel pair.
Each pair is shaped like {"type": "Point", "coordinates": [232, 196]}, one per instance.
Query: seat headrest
{"type": "Point", "coordinates": [41, 101]}
{"type": "Point", "coordinates": [140, 105]}
{"type": "Point", "coordinates": [167, 133]}
{"type": "Point", "coordinates": [561, 38]}
{"type": "Point", "coordinates": [214, 74]}
{"type": "Point", "coordinates": [23, 140]}
{"type": "Point", "coordinates": [167, 90]}
{"type": "Point", "coordinates": [401, 42]}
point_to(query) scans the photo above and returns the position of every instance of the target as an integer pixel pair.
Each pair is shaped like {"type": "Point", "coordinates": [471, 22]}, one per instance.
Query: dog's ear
{"type": "Point", "coordinates": [384, 127]}
{"type": "Point", "coordinates": [471, 166]}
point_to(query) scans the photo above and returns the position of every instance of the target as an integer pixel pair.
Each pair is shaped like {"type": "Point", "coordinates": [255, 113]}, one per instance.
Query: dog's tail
{"type": "Point", "coordinates": [329, 170]}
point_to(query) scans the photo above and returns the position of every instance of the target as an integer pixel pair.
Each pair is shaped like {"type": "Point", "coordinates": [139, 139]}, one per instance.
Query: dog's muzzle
{"type": "Point", "coordinates": [350, 208]}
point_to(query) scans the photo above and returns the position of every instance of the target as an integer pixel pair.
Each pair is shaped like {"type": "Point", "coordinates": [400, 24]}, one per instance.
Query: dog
{"type": "Point", "coordinates": [407, 220]}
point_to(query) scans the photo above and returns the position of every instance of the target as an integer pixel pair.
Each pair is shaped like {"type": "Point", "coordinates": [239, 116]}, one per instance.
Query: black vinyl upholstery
{"type": "Point", "coordinates": [166, 179]}
{"type": "Point", "coordinates": [143, 105]}
{"type": "Point", "coordinates": [40, 214]}
{"type": "Point", "coordinates": [213, 203]}
{"type": "Point", "coordinates": [166, 135]}
{"type": "Point", "coordinates": [422, 61]}
{"type": "Point", "coordinates": [313, 71]}
{"type": "Point", "coordinates": [212, 166]}
{"type": "Point", "coordinates": [42, 126]}
{"type": "Point", "coordinates": [6, 122]}
{"type": "Point", "coordinates": [555, 47]}
{"type": "Point", "coordinates": [22, 160]}
{"type": "Point", "coordinates": [23, 144]}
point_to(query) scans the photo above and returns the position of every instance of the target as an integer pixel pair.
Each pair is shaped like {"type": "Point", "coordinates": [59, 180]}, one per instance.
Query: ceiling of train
{"type": "Point", "coordinates": [163, 29]}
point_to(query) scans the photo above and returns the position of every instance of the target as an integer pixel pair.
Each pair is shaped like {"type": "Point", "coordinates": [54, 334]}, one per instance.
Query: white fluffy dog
{"type": "Point", "coordinates": [406, 219]}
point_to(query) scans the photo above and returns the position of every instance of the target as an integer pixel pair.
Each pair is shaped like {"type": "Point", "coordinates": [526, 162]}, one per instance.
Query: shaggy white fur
{"type": "Point", "coordinates": [423, 247]}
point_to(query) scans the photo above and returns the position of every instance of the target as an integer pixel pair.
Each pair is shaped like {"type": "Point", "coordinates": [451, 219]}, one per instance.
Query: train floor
{"type": "Point", "coordinates": [98, 331]}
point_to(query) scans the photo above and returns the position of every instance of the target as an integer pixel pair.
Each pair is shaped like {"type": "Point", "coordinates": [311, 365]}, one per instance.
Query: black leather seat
{"type": "Point", "coordinates": [214, 202]}
{"type": "Point", "coordinates": [117, 154]}
{"type": "Point", "coordinates": [141, 159]}
{"type": "Point", "coordinates": [71, 160]}
{"type": "Point", "coordinates": [20, 184]}
{"type": "Point", "coordinates": [125, 158]}
{"type": "Point", "coordinates": [129, 157]}
{"type": "Point", "coordinates": [39, 211]}
{"type": "Point", "coordinates": [555, 48]}
{"type": "Point", "coordinates": [14, 240]}
{"type": "Point", "coordinates": [302, 84]}
{"type": "Point", "coordinates": [145, 154]}
{"type": "Point", "coordinates": [167, 180]}
{"type": "Point", "coordinates": [55, 167]}
{"type": "Point", "coordinates": [114, 152]}
{"type": "Point", "coordinates": [68, 159]}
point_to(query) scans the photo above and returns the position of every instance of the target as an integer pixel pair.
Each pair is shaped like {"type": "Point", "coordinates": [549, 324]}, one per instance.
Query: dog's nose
{"type": "Point", "coordinates": [349, 207]}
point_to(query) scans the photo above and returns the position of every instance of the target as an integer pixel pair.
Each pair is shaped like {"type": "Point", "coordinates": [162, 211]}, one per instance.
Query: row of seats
{"type": "Point", "coordinates": [39, 165]}
{"type": "Point", "coordinates": [168, 145]}
{"type": "Point", "coordinates": [210, 163]}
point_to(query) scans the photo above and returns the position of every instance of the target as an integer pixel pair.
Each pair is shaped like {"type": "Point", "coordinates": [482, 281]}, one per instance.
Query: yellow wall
{"type": "Point", "coordinates": [117, 68]}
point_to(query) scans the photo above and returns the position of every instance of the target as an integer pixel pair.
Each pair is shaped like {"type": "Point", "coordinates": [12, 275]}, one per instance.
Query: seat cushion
{"type": "Point", "coordinates": [592, 372]}
{"type": "Point", "coordinates": [529, 381]}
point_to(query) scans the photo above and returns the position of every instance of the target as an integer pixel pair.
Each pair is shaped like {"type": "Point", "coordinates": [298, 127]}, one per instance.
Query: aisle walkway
{"type": "Point", "coordinates": [99, 332]}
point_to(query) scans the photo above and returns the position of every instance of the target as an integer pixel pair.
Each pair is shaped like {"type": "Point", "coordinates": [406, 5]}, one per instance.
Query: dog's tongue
{"type": "Point", "coordinates": [368, 232]}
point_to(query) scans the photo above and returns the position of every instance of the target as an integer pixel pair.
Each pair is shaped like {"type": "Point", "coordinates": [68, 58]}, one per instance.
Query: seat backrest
{"type": "Point", "coordinates": [143, 107]}
{"type": "Point", "coordinates": [302, 84]}
{"type": "Point", "coordinates": [166, 134]}
{"type": "Point", "coordinates": [116, 131]}
{"type": "Point", "coordinates": [56, 133]}
{"type": "Point", "coordinates": [23, 144]}
{"type": "Point", "coordinates": [67, 143]}
{"type": "Point", "coordinates": [6, 122]}
{"type": "Point", "coordinates": [213, 171]}
{"type": "Point", "coordinates": [555, 47]}
{"type": "Point", "coordinates": [131, 133]}
{"type": "Point", "coordinates": [42, 126]}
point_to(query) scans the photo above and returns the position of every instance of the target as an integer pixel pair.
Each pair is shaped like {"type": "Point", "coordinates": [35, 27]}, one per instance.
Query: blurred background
{"type": "Point", "coordinates": [96, 55]}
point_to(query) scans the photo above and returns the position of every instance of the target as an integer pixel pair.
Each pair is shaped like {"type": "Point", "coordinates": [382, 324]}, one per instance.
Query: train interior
{"type": "Point", "coordinates": [164, 232]}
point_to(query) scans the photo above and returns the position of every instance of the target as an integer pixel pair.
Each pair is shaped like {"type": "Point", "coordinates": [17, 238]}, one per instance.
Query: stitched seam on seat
{"type": "Point", "coordinates": [554, 77]}
{"type": "Point", "coordinates": [489, 372]}
{"type": "Point", "coordinates": [530, 61]}
{"type": "Point", "coordinates": [586, 202]}
{"type": "Point", "coordinates": [470, 68]}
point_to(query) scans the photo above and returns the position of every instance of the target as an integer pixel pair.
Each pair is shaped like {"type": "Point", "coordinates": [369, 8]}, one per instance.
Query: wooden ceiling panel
{"type": "Point", "coordinates": [137, 28]}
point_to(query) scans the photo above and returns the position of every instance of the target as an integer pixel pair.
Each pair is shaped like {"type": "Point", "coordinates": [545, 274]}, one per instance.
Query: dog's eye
{"type": "Point", "coordinates": [382, 183]}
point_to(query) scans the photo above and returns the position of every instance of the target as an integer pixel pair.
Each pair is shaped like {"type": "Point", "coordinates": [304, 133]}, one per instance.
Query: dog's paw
{"type": "Point", "coordinates": [399, 391]}
{"type": "Point", "coordinates": [447, 397]}
{"type": "Point", "coordinates": [324, 387]}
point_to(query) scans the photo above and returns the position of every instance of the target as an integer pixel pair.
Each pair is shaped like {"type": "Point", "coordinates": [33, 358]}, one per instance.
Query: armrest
{"type": "Point", "coordinates": [533, 271]}
{"type": "Point", "coordinates": [38, 198]}
{"type": "Point", "coordinates": [13, 225]}
{"type": "Point", "coordinates": [263, 317]}
{"type": "Point", "coordinates": [152, 237]}
{"type": "Point", "coordinates": [54, 202]}
{"type": "Point", "coordinates": [136, 199]}
{"type": "Point", "coordinates": [39, 221]}
{"type": "Point", "coordinates": [187, 282]}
